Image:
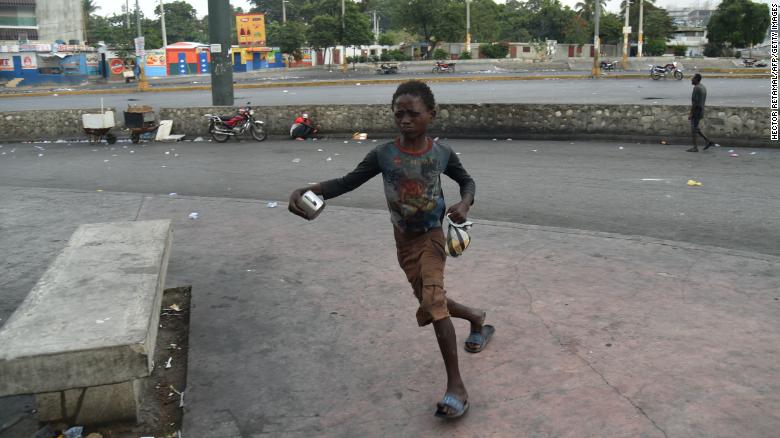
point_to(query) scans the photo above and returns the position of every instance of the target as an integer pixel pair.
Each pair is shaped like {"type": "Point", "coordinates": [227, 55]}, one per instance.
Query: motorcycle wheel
{"type": "Point", "coordinates": [219, 138]}
{"type": "Point", "coordinates": [435, 70]}
{"type": "Point", "coordinates": [110, 138]}
{"type": "Point", "coordinates": [135, 137]}
{"type": "Point", "coordinates": [678, 75]}
{"type": "Point", "coordinates": [258, 133]}
{"type": "Point", "coordinates": [655, 75]}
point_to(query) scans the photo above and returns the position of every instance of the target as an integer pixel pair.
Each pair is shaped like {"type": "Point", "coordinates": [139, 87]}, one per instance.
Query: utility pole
{"type": "Point", "coordinates": [641, 36]}
{"type": "Point", "coordinates": [162, 23]}
{"type": "Point", "coordinates": [468, 26]}
{"type": "Point", "coordinates": [596, 71]}
{"type": "Point", "coordinates": [140, 55]}
{"type": "Point", "coordinates": [343, 34]}
{"type": "Point", "coordinates": [138, 18]}
{"type": "Point", "coordinates": [284, 11]}
{"type": "Point", "coordinates": [221, 65]}
{"type": "Point", "coordinates": [127, 14]}
{"type": "Point", "coordinates": [626, 32]}
{"type": "Point", "coordinates": [376, 28]}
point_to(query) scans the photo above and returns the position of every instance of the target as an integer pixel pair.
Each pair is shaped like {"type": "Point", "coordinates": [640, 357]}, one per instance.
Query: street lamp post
{"type": "Point", "coordinates": [626, 32]}
{"type": "Point", "coordinates": [141, 57]}
{"type": "Point", "coordinates": [641, 36]}
{"type": "Point", "coordinates": [596, 41]}
{"type": "Point", "coordinates": [468, 26]}
{"type": "Point", "coordinates": [162, 24]}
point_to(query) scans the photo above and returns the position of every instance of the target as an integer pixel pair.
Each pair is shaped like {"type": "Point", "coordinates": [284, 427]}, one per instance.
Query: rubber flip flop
{"type": "Point", "coordinates": [453, 403]}
{"type": "Point", "coordinates": [480, 338]}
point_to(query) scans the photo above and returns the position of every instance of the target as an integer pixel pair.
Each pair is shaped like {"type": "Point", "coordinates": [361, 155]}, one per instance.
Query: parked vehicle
{"type": "Point", "coordinates": [608, 65]}
{"type": "Point", "coordinates": [752, 62]}
{"type": "Point", "coordinates": [223, 127]}
{"type": "Point", "coordinates": [444, 67]}
{"type": "Point", "coordinates": [387, 69]}
{"type": "Point", "coordinates": [661, 71]}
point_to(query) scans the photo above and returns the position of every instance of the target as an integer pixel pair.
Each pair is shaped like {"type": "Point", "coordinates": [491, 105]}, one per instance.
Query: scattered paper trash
{"type": "Point", "coordinates": [508, 139]}
{"type": "Point", "coordinates": [358, 84]}
{"type": "Point", "coordinates": [175, 307]}
{"type": "Point", "coordinates": [172, 194]}
{"type": "Point", "coordinates": [198, 139]}
{"type": "Point", "coordinates": [168, 364]}
{"type": "Point", "coordinates": [320, 150]}
{"type": "Point", "coordinates": [272, 204]}
{"type": "Point", "coordinates": [731, 150]}
{"type": "Point", "coordinates": [621, 148]}
{"type": "Point", "coordinates": [94, 435]}
{"type": "Point", "coordinates": [664, 142]}
{"type": "Point", "coordinates": [694, 183]}
{"type": "Point", "coordinates": [457, 153]}
{"type": "Point", "coordinates": [345, 141]}
{"type": "Point", "coordinates": [105, 161]}
{"type": "Point", "coordinates": [734, 155]}
{"type": "Point", "coordinates": [73, 432]}
{"type": "Point", "coordinates": [329, 159]}
{"type": "Point", "coordinates": [752, 153]}
{"type": "Point", "coordinates": [193, 215]}
{"type": "Point", "coordinates": [533, 150]}
{"type": "Point", "coordinates": [40, 155]}
{"type": "Point", "coordinates": [167, 152]}
{"type": "Point", "coordinates": [296, 160]}
{"type": "Point", "coordinates": [359, 136]}
{"type": "Point", "coordinates": [495, 139]}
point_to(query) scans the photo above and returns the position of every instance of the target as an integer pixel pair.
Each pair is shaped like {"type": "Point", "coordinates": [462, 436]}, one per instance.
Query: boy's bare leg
{"type": "Point", "coordinates": [445, 335]}
{"type": "Point", "coordinates": [475, 316]}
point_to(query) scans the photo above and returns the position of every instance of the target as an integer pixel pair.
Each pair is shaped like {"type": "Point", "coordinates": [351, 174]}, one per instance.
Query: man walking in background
{"type": "Point", "coordinates": [698, 97]}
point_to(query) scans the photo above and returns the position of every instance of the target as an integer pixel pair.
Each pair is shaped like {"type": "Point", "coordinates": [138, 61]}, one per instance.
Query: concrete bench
{"type": "Point", "coordinates": [85, 335]}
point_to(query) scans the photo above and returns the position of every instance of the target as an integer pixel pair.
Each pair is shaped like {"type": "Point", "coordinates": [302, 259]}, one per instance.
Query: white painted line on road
{"type": "Point", "coordinates": [653, 179]}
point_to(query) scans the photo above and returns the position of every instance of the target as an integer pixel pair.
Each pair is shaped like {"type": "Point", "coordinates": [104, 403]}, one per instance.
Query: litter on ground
{"type": "Point", "coordinates": [693, 183]}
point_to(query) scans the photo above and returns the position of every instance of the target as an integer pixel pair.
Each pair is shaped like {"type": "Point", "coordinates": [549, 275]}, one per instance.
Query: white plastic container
{"type": "Point", "coordinates": [98, 121]}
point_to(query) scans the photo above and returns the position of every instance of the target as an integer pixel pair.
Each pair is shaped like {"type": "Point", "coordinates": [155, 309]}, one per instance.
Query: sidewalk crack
{"type": "Point", "coordinates": [140, 207]}
{"type": "Point", "coordinates": [586, 362]}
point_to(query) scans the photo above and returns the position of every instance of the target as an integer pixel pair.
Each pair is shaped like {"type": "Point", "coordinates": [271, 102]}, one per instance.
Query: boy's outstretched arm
{"type": "Point", "coordinates": [459, 211]}
{"type": "Point", "coordinates": [365, 170]}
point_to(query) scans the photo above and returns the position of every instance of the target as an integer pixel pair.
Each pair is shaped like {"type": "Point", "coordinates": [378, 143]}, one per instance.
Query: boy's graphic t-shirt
{"type": "Point", "coordinates": [412, 182]}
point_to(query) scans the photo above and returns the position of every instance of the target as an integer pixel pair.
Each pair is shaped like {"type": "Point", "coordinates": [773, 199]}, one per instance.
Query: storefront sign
{"type": "Point", "coordinates": [6, 62]}
{"type": "Point", "coordinates": [250, 29]}
{"type": "Point", "coordinates": [117, 66]}
{"type": "Point", "coordinates": [155, 59]}
{"type": "Point", "coordinates": [93, 59]}
{"type": "Point", "coordinates": [35, 47]}
{"type": "Point", "coordinates": [29, 61]}
{"type": "Point", "coordinates": [9, 48]}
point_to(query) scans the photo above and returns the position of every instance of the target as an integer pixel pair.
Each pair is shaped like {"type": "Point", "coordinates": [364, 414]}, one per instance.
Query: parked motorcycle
{"type": "Point", "coordinates": [221, 129]}
{"type": "Point", "coordinates": [387, 69]}
{"type": "Point", "coordinates": [444, 67]}
{"type": "Point", "coordinates": [608, 65]}
{"type": "Point", "coordinates": [660, 71]}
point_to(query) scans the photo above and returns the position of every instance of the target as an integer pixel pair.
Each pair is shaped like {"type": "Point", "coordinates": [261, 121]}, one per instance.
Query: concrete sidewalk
{"type": "Point", "coordinates": [307, 328]}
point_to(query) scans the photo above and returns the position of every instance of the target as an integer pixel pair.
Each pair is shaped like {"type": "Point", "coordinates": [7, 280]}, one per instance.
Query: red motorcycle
{"type": "Point", "coordinates": [223, 127]}
{"type": "Point", "coordinates": [444, 67]}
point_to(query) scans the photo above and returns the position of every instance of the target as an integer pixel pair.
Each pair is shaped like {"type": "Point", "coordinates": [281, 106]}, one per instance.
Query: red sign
{"type": "Point", "coordinates": [117, 66]}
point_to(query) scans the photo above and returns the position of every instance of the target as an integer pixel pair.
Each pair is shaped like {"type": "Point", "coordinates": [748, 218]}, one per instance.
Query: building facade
{"type": "Point", "coordinates": [44, 20]}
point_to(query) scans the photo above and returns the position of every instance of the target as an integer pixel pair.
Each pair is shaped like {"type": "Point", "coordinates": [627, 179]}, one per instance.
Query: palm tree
{"type": "Point", "coordinates": [87, 9]}
{"type": "Point", "coordinates": [586, 8]}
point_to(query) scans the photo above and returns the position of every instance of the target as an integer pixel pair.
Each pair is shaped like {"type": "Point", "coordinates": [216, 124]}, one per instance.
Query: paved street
{"type": "Point", "coordinates": [721, 92]}
{"type": "Point", "coordinates": [639, 190]}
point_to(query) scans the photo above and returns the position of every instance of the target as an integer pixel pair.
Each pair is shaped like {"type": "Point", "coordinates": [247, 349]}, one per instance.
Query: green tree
{"type": "Point", "coordinates": [181, 22]}
{"type": "Point", "coordinates": [424, 18]}
{"type": "Point", "coordinates": [493, 50]}
{"type": "Point", "coordinates": [322, 33]}
{"type": "Point", "coordinates": [610, 29]}
{"type": "Point", "coordinates": [587, 9]}
{"type": "Point", "coordinates": [289, 37]}
{"type": "Point", "coordinates": [739, 23]}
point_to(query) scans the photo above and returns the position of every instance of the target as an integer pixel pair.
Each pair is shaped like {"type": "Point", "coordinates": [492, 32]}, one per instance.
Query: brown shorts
{"type": "Point", "coordinates": [422, 257]}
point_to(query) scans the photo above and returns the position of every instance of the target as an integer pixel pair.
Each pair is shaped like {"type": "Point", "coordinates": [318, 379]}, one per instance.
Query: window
{"type": "Point", "coordinates": [526, 49]}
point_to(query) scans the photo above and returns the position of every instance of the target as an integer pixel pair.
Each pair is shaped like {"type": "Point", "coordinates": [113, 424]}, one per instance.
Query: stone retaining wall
{"type": "Point", "coordinates": [732, 125]}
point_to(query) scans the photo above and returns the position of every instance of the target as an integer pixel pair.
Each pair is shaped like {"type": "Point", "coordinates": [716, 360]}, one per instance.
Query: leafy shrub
{"type": "Point", "coordinates": [495, 51]}
{"type": "Point", "coordinates": [679, 50]}
{"type": "Point", "coordinates": [656, 47]}
{"type": "Point", "coordinates": [465, 55]}
{"type": "Point", "coordinates": [440, 54]}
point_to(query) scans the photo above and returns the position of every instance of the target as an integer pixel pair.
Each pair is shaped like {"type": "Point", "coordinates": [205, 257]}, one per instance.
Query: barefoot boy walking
{"type": "Point", "coordinates": [411, 167]}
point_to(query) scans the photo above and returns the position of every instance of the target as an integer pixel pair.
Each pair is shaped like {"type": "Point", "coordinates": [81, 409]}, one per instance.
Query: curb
{"type": "Point", "coordinates": [738, 75]}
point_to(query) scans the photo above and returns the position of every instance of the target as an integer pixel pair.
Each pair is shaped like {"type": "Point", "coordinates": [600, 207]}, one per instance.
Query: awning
{"type": "Point", "coordinates": [17, 2]}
